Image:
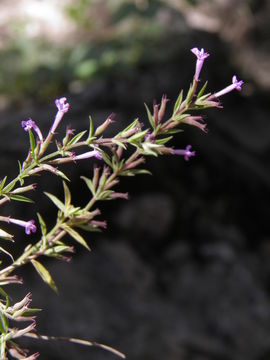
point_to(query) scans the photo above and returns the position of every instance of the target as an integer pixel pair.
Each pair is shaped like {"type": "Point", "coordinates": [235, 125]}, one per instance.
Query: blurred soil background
{"type": "Point", "coordinates": [182, 271]}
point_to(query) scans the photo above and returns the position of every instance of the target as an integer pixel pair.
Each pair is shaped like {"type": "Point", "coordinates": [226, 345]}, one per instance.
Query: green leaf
{"type": "Point", "coordinates": [2, 183]}
{"type": "Point", "coordinates": [67, 195]}
{"type": "Point", "coordinates": [45, 275]}
{"type": "Point", "coordinates": [119, 143]}
{"type": "Point", "coordinates": [130, 126]}
{"type": "Point", "coordinates": [56, 201]}
{"type": "Point", "coordinates": [104, 195]}
{"type": "Point", "coordinates": [89, 184]}
{"type": "Point", "coordinates": [137, 137]}
{"type": "Point", "coordinates": [7, 253]}
{"type": "Point", "coordinates": [202, 90]}
{"type": "Point", "coordinates": [133, 172]}
{"type": "Point", "coordinates": [5, 235]}
{"type": "Point", "coordinates": [189, 95]}
{"type": "Point", "coordinates": [63, 176]}
{"type": "Point", "coordinates": [164, 140]}
{"type": "Point", "coordinates": [178, 102]}
{"type": "Point", "coordinates": [3, 323]}
{"type": "Point", "coordinates": [32, 143]}
{"type": "Point", "coordinates": [76, 138]}
{"type": "Point", "coordinates": [20, 198]}
{"type": "Point", "coordinates": [91, 128]}
{"type": "Point", "coordinates": [76, 236]}
{"type": "Point", "coordinates": [106, 158]}
{"type": "Point", "coordinates": [42, 224]}
{"type": "Point", "coordinates": [150, 117]}
{"type": "Point", "coordinates": [180, 117]}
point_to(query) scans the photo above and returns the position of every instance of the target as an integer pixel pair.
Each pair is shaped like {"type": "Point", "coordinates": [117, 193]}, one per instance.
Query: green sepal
{"type": "Point", "coordinates": [44, 274]}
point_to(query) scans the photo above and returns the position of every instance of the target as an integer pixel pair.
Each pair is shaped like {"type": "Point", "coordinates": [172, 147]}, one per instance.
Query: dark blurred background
{"type": "Point", "coordinates": [182, 272]}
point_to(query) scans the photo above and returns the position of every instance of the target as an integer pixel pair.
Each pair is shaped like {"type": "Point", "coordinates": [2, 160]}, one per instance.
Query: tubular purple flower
{"type": "Point", "coordinates": [62, 107]}
{"type": "Point", "coordinates": [195, 121]}
{"type": "Point", "coordinates": [201, 56]}
{"type": "Point", "coordinates": [30, 124]}
{"type": "Point", "coordinates": [94, 153]}
{"type": "Point", "coordinates": [185, 152]}
{"type": "Point", "coordinates": [236, 85]}
{"type": "Point", "coordinates": [29, 226]}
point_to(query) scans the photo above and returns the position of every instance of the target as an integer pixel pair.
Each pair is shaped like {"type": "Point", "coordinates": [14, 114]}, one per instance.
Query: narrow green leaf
{"type": "Point", "coordinates": [89, 184]}
{"type": "Point", "coordinates": [189, 95]}
{"type": "Point", "coordinates": [42, 224]}
{"type": "Point", "coordinates": [91, 128]}
{"type": "Point", "coordinates": [63, 176]}
{"type": "Point", "coordinates": [5, 235]}
{"type": "Point", "coordinates": [202, 90]}
{"type": "Point", "coordinates": [133, 172]}
{"type": "Point", "coordinates": [32, 143]}
{"type": "Point", "coordinates": [67, 195]}
{"type": "Point", "coordinates": [3, 323]}
{"type": "Point", "coordinates": [20, 198]}
{"type": "Point", "coordinates": [2, 183]}
{"type": "Point", "coordinates": [7, 253]}
{"type": "Point", "coordinates": [76, 138]}
{"type": "Point", "coordinates": [9, 186]}
{"type": "Point", "coordinates": [44, 274]}
{"type": "Point", "coordinates": [76, 236]}
{"type": "Point", "coordinates": [150, 117]}
{"type": "Point", "coordinates": [138, 137]}
{"type": "Point", "coordinates": [178, 102]}
{"type": "Point", "coordinates": [164, 140]}
{"type": "Point", "coordinates": [180, 117]}
{"type": "Point", "coordinates": [105, 195]}
{"type": "Point", "coordinates": [56, 201]}
{"type": "Point", "coordinates": [130, 126]}
{"type": "Point", "coordinates": [119, 143]}
{"type": "Point", "coordinates": [106, 158]}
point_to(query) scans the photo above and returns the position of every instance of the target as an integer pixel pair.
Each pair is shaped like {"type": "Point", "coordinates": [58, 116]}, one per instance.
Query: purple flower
{"type": "Point", "coordinates": [201, 56]}
{"type": "Point", "coordinates": [195, 121]}
{"type": "Point", "coordinates": [88, 154]}
{"type": "Point", "coordinates": [30, 124]}
{"type": "Point", "coordinates": [185, 152]}
{"type": "Point", "coordinates": [237, 85]}
{"type": "Point", "coordinates": [29, 226]}
{"type": "Point", "coordinates": [62, 107]}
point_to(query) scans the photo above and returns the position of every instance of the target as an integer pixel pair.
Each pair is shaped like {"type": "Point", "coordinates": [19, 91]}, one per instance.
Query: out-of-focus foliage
{"type": "Point", "coordinates": [114, 35]}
